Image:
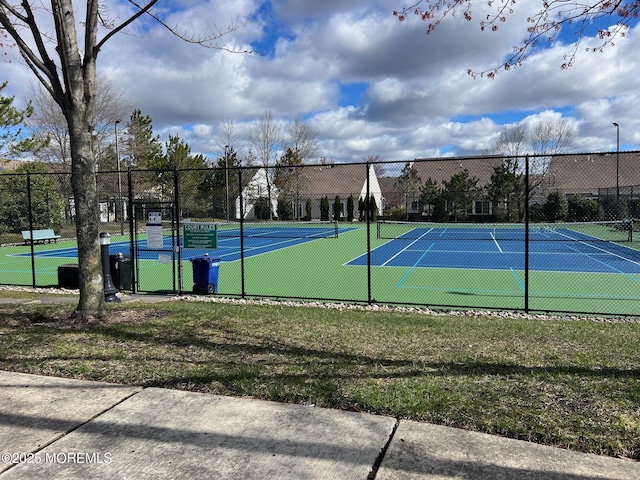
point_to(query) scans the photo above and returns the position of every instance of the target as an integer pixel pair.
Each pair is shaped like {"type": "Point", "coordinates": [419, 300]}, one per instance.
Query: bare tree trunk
{"type": "Point", "coordinates": [71, 82]}
{"type": "Point", "coordinates": [78, 103]}
{"type": "Point", "coordinates": [85, 194]}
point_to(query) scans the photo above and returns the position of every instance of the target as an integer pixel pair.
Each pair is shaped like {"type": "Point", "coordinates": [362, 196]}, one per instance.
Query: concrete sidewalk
{"type": "Point", "coordinates": [59, 428]}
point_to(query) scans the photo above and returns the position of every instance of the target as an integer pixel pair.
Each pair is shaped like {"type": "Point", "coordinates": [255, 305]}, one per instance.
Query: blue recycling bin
{"type": "Point", "coordinates": [205, 274]}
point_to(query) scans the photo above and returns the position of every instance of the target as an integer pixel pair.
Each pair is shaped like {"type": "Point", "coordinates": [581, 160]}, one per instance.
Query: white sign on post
{"type": "Point", "coordinates": [154, 231]}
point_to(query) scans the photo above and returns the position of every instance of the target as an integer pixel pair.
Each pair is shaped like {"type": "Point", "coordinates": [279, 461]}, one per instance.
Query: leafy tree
{"type": "Point", "coordinates": [47, 205]}
{"type": "Point", "coordinates": [68, 73]}
{"type": "Point", "coordinates": [612, 208]}
{"type": "Point", "coordinates": [543, 25]}
{"type": "Point", "coordinates": [397, 213]}
{"type": "Point", "coordinates": [12, 140]}
{"type": "Point", "coordinates": [555, 207]}
{"type": "Point", "coordinates": [634, 208]}
{"type": "Point", "coordinates": [582, 209]}
{"type": "Point", "coordinates": [460, 191]}
{"type": "Point", "coordinates": [142, 148]}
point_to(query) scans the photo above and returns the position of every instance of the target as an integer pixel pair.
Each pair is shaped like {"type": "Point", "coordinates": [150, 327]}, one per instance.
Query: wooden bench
{"type": "Point", "coordinates": [44, 235]}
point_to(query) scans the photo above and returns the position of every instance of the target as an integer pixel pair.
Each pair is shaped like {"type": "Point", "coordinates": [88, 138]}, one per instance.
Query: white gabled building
{"type": "Point", "coordinates": [257, 188]}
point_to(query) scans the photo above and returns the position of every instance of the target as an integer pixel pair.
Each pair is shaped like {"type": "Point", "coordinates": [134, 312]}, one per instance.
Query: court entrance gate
{"type": "Point", "coordinates": [155, 247]}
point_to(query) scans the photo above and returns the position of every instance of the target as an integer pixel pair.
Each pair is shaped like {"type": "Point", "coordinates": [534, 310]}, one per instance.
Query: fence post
{"type": "Point", "coordinates": [241, 214]}
{"type": "Point", "coordinates": [33, 258]}
{"type": "Point", "coordinates": [176, 239]}
{"type": "Point", "coordinates": [133, 235]}
{"type": "Point", "coordinates": [526, 235]}
{"type": "Point", "coordinates": [369, 214]}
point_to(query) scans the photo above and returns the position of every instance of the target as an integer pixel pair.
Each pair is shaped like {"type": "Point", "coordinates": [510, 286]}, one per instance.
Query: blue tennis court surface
{"type": "Point", "coordinates": [550, 249]}
{"type": "Point", "coordinates": [257, 241]}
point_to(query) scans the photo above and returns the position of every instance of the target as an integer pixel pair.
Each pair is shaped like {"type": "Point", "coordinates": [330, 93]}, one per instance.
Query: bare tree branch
{"type": "Point", "coordinates": [544, 25]}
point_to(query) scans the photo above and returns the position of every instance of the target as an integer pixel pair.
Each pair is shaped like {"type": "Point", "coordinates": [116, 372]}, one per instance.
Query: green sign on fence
{"type": "Point", "coordinates": [200, 235]}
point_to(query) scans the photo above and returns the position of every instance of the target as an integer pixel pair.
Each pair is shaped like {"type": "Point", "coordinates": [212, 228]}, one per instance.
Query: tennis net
{"type": "Point", "coordinates": [605, 231]}
{"type": "Point", "coordinates": [278, 229]}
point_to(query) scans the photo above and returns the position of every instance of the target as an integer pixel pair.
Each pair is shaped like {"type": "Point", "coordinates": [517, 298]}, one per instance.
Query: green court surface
{"type": "Point", "coordinates": [339, 269]}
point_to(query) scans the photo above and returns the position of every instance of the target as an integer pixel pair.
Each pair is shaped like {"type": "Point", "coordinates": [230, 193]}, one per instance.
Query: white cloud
{"type": "Point", "coordinates": [419, 101]}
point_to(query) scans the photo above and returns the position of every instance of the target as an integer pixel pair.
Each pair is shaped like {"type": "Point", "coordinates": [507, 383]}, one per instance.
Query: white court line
{"type": "Point", "coordinates": [407, 247]}
{"type": "Point", "coordinates": [496, 242]}
{"type": "Point", "coordinates": [608, 252]}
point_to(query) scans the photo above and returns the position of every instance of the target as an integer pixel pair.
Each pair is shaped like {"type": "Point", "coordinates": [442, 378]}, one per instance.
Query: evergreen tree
{"type": "Point", "coordinates": [362, 208]}
{"type": "Point", "coordinates": [12, 140]}
{"type": "Point", "coordinates": [142, 148]}
{"type": "Point", "coordinates": [460, 191]}
{"type": "Point", "coordinates": [288, 177]}
{"type": "Point", "coordinates": [350, 207]}
{"type": "Point", "coordinates": [337, 208]}
{"type": "Point", "coordinates": [284, 208]}
{"type": "Point", "coordinates": [556, 207]}
{"type": "Point", "coordinates": [409, 183]}
{"type": "Point", "coordinates": [373, 209]}
{"type": "Point", "coordinates": [507, 191]}
{"type": "Point", "coordinates": [309, 209]}
{"type": "Point", "coordinates": [324, 208]}
{"type": "Point", "coordinates": [221, 185]}
{"type": "Point", "coordinates": [430, 197]}
{"type": "Point", "coordinates": [47, 206]}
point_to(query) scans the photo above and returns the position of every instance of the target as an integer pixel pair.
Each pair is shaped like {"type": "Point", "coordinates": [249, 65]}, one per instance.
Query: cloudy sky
{"type": "Point", "coordinates": [367, 83]}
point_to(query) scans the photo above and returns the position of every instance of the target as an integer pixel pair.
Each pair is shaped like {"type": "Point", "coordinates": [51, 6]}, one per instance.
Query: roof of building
{"type": "Point", "coordinates": [9, 165]}
{"type": "Point", "coordinates": [441, 170]}
{"type": "Point", "coordinates": [589, 172]}
{"type": "Point", "coordinates": [333, 180]}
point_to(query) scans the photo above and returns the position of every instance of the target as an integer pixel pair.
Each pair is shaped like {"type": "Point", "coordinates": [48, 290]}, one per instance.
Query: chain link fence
{"type": "Point", "coordinates": [538, 234]}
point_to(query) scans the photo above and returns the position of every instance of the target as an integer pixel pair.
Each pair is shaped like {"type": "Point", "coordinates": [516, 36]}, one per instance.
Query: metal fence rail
{"type": "Point", "coordinates": [534, 234]}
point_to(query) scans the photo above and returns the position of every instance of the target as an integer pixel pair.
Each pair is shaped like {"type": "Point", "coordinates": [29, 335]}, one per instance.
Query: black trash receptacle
{"type": "Point", "coordinates": [120, 266]}
{"type": "Point", "coordinates": [205, 274]}
{"type": "Point", "coordinates": [69, 276]}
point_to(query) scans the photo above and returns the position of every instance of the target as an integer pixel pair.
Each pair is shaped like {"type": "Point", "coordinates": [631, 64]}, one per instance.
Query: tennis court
{"type": "Point", "coordinates": [582, 268]}
{"type": "Point", "coordinates": [580, 247]}
{"type": "Point", "coordinates": [258, 239]}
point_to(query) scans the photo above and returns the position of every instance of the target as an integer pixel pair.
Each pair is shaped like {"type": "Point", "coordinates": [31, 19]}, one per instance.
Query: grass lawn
{"type": "Point", "coordinates": [561, 382]}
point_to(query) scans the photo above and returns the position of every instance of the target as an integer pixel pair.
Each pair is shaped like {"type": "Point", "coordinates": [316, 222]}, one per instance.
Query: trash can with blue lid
{"type": "Point", "coordinates": [205, 274]}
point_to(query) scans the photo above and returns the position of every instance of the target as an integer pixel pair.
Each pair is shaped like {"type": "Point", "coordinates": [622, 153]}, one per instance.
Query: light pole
{"type": "Point", "coordinates": [226, 173]}
{"type": "Point", "coordinates": [615, 124]}
{"type": "Point", "coordinates": [120, 203]}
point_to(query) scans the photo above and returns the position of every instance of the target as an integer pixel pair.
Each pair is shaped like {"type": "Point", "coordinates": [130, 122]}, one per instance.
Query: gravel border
{"type": "Point", "coordinates": [347, 306]}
